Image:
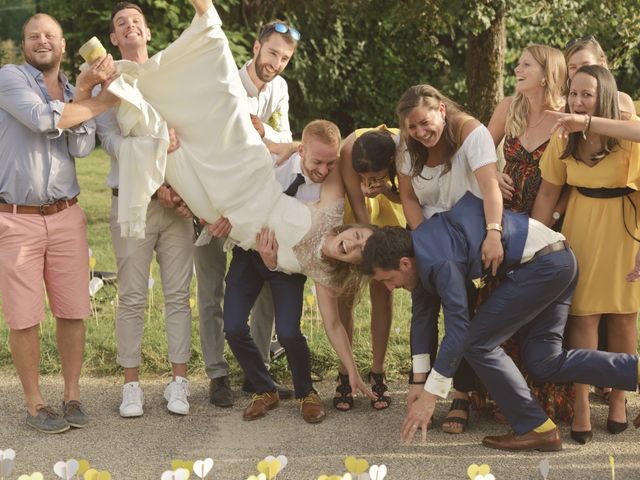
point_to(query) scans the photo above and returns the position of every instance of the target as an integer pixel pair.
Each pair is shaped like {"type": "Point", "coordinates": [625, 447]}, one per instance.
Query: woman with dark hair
{"type": "Point", "coordinates": [594, 150]}
{"type": "Point", "coordinates": [367, 165]}
{"type": "Point", "coordinates": [445, 152]}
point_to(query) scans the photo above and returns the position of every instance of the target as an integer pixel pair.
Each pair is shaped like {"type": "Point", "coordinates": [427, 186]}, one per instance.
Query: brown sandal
{"type": "Point", "coordinates": [380, 389]}
{"type": "Point", "coordinates": [459, 422]}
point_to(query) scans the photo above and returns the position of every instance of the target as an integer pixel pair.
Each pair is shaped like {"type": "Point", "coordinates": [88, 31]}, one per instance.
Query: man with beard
{"type": "Point", "coordinates": [166, 232]}
{"type": "Point", "coordinates": [268, 98]}
{"type": "Point", "coordinates": [43, 236]}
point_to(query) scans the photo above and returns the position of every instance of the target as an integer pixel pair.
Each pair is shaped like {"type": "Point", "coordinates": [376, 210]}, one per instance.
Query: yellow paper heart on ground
{"type": "Point", "coordinates": [355, 465]}
{"type": "Point", "coordinates": [473, 471]}
{"type": "Point", "coordinates": [332, 477]}
{"type": "Point", "coordinates": [83, 466]}
{"type": "Point", "coordinates": [484, 469]}
{"type": "Point", "coordinates": [33, 476]}
{"type": "Point", "coordinates": [176, 464]}
{"type": "Point", "coordinates": [91, 474]}
{"type": "Point", "coordinates": [262, 476]}
{"type": "Point", "coordinates": [269, 468]}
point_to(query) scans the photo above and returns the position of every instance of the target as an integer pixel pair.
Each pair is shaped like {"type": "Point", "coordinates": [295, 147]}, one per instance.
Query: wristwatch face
{"type": "Point", "coordinates": [555, 215]}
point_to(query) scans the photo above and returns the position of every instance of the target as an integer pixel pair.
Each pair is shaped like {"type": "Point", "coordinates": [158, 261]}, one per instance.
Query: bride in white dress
{"type": "Point", "coordinates": [223, 168]}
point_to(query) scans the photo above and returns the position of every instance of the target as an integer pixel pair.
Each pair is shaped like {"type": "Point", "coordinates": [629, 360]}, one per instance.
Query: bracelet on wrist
{"type": "Point", "coordinates": [494, 226]}
{"type": "Point", "coordinates": [412, 381]}
{"type": "Point", "coordinates": [587, 125]}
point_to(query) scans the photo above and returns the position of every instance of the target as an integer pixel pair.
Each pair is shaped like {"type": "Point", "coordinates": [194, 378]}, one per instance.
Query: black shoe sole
{"type": "Point", "coordinates": [582, 437]}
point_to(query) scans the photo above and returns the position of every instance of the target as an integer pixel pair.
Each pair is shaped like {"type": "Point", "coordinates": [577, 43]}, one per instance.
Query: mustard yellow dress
{"type": "Point", "coordinates": [596, 229]}
{"type": "Point", "coordinates": [382, 211]}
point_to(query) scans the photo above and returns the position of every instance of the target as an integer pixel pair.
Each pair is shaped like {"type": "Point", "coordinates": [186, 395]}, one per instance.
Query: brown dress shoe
{"type": "Point", "coordinates": [312, 408]}
{"type": "Point", "coordinates": [260, 404]}
{"type": "Point", "coordinates": [550, 441]}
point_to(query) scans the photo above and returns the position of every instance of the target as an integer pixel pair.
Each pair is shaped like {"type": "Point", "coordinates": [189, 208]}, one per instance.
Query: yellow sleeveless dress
{"type": "Point", "coordinates": [382, 211]}
{"type": "Point", "coordinates": [596, 228]}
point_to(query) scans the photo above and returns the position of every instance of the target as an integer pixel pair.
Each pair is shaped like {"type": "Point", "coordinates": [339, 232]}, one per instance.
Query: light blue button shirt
{"type": "Point", "coordinates": [37, 164]}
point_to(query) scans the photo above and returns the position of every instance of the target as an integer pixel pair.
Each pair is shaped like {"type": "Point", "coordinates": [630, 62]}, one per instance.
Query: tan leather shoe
{"type": "Point", "coordinates": [260, 404]}
{"type": "Point", "coordinates": [312, 408]}
{"type": "Point", "coordinates": [550, 441]}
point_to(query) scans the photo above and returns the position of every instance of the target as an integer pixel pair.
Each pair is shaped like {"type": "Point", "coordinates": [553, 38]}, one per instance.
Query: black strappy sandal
{"type": "Point", "coordinates": [379, 388]}
{"type": "Point", "coordinates": [457, 404]}
{"type": "Point", "coordinates": [345, 396]}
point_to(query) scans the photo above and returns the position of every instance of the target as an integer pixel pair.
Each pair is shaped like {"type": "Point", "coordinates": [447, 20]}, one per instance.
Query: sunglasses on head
{"type": "Point", "coordinates": [283, 29]}
{"type": "Point", "coordinates": [586, 38]}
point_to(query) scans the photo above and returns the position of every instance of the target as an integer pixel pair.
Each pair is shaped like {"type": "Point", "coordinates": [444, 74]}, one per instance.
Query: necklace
{"type": "Point", "coordinates": [537, 123]}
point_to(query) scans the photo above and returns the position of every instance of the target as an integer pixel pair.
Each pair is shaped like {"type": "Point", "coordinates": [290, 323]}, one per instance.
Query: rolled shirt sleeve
{"type": "Point", "coordinates": [23, 103]}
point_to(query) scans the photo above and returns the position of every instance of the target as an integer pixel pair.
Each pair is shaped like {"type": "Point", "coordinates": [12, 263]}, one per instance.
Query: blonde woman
{"type": "Point", "coordinates": [523, 121]}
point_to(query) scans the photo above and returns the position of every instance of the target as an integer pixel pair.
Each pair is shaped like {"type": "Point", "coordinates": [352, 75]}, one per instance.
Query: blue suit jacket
{"type": "Point", "coordinates": [448, 256]}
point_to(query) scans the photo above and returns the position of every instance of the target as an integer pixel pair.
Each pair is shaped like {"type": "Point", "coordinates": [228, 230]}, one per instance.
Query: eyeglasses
{"type": "Point", "coordinates": [587, 38]}
{"type": "Point", "coordinates": [280, 28]}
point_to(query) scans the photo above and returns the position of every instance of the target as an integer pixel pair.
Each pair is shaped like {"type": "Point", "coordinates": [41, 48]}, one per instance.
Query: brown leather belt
{"type": "Point", "coordinates": [47, 209]}
{"type": "Point", "coordinates": [551, 248]}
{"type": "Point", "coordinates": [115, 191]}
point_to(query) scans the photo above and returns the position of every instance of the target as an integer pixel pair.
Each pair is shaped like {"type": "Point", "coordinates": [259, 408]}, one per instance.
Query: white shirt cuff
{"type": "Point", "coordinates": [421, 363]}
{"type": "Point", "coordinates": [438, 384]}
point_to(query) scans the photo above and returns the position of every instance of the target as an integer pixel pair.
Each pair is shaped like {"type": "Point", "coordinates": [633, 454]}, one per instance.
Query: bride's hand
{"type": "Point", "coordinates": [267, 247]}
{"type": "Point", "coordinates": [357, 384]}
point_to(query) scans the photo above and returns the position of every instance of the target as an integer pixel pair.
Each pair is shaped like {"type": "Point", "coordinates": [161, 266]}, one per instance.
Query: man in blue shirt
{"type": "Point", "coordinates": [42, 228]}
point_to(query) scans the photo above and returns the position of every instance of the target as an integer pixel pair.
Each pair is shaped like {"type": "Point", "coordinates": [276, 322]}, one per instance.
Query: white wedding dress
{"type": "Point", "coordinates": [222, 167]}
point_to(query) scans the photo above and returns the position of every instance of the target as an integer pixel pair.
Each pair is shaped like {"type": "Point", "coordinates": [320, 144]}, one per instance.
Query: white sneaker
{"type": "Point", "coordinates": [176, 395]}
{"type": "Point", "coordinates": [132, 400]}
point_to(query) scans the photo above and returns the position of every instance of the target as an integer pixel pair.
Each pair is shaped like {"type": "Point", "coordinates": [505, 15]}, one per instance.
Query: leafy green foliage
{"type": "Point", "coordinates": [356, 57]}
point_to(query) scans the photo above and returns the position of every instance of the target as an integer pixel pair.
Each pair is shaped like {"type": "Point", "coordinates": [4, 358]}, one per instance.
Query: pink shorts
{"type": "Point", "coordinates": [53, 249]}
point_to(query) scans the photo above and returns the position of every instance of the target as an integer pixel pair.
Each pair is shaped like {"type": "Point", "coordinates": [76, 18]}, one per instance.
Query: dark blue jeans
{"type": "Point", "coordinates": [245, 278]}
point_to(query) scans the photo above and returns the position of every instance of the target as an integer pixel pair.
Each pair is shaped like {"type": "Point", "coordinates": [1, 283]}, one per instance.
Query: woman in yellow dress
{"type": "Point", "coordinates": [594, 151]}
{"type": "Point", "coordinates": [368, 171]}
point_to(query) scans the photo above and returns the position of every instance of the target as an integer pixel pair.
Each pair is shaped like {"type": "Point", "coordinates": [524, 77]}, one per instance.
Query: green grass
{"type": "Point", "coordinates": [100, 356]}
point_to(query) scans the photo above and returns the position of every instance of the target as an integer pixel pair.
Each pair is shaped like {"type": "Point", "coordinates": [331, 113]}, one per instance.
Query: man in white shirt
{"type": "Point", "coordinates": [301, 177]}
{"type": "Point", "coordinates": [268, 98]}
{"type": "Point", "coordinates": [169, 234]}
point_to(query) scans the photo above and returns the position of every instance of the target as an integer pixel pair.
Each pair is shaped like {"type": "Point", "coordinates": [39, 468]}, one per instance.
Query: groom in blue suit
{"type": "Point", "coordinates": [538, 278]}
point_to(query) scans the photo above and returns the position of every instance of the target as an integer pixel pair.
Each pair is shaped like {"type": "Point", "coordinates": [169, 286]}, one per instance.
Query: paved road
{"type": "Point", "coordinates": [143, 448]}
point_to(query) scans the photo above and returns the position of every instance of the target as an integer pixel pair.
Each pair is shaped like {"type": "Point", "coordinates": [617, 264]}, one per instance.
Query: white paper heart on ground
{"type": "Point", "coordinates": [202, 467]}
{"type": "Point", "coordinates": [181, 474]}
{"type": "Point", "coordinates": [7, 458]}
{"type": "Point", "coordinates": [378, 472]}
{"type": "Point", "coordinates": [283, 461]}
{"type": "Point", "coordinates": [488, 476]}
{"type": "Point", "coordinates": [66, 470]}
